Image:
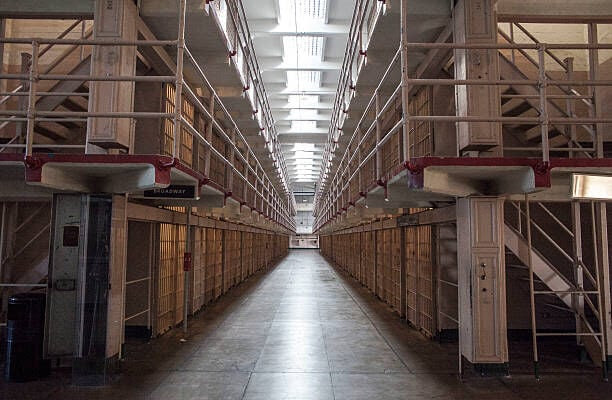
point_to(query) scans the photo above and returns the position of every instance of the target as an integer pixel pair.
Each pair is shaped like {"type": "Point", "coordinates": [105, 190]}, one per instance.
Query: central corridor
{"type": "Point", "coordinates": [300, 331]}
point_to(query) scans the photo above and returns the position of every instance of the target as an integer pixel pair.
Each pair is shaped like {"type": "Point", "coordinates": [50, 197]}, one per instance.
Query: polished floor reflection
{"type": "Point", "coordinates": [304, 331]}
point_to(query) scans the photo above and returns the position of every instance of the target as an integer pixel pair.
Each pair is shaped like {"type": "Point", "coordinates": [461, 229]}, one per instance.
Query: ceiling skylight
{"type": "Point", "coordinates": [303, 113]}
{"type": "Point", "coordinates": [303, 126]}
{"type": "Point", "coordinates": [303, 100]}
{"type": "Point", "coordinates": [303, 48]}
{"type": "Point", "coordinates": [302, 11]}
{"type": "Point", "coordinates": [304, 155]}
{"type": "Point", "coordinates": [303, 80]}
{"type": "Point", "coordinates": [304, 147]}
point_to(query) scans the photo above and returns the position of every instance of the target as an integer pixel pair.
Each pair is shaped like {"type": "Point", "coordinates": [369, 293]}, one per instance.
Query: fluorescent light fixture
{"type": "Point", "coordinates": [594, 187]}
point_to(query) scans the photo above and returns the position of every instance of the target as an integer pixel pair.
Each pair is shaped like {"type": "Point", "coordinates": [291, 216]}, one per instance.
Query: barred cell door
{"type": "Point", "coordinates": [419, 279]}
{"type": "Point", "coordinates": [425, 282]}
{"type": "Point", "coordinates": [169, 290]}
{"type": "Point", "coordinates": [411, 245]}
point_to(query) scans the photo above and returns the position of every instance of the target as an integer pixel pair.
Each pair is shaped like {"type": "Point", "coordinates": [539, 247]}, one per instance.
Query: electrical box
{"type": "Point", "coordinates": [482, 283]}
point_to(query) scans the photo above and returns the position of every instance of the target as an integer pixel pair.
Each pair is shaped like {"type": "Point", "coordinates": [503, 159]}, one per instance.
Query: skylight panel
{"type": "Point", "coordinates": [302, 48]}
{"type": "Point", "coordinates": [303, 126]}
{"type": "Point", "coordinates": [301, 113]}
{"type": "Point", "coordinates": [304, 147]}
{"type": "Point", "coordinates": [303, 80]}
{"type": "Point", "coordinates": [303, 100]}
{"type": "Point", "coordinates": [306, 11]}
{"type": "Point", "coordinates": [304, 155]}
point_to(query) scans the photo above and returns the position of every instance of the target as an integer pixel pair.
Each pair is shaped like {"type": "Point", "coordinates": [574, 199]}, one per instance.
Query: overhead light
{"type": "Point", "coordinates": [593, 187]}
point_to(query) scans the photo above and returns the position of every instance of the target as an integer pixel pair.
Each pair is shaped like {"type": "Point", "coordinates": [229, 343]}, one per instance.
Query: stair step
{"type": "Point", "coordinates": [515, 107]}
{"type": "Point", "coordinates": [52, 130]}
{"type": "Point", "coordinates": [78, 104]}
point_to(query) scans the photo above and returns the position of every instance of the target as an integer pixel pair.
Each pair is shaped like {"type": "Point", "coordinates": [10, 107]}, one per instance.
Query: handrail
{"type": "Point", "coordinates": [267, 197]}
{"type": "Point", "coordinates": [543, 232]}
{"type": "Point", "coordinates": [219, 128]}
{"type": "Point", "coordinates": [333, 175]}
{"type": "Point", "coordinates": [253, 76]}
{"type": "Point", "coordinates": [42, 52]}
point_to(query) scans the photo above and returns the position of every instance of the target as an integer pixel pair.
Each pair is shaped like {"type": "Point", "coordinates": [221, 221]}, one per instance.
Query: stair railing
{"type": "Point", "coordinates": [585, 329]}
{"type": "Point", "coordinates": [43, 51]}
{"type": "Point", "coordinates": [21, 90]}
{"type": "Point", "coordinates": [569, 95]}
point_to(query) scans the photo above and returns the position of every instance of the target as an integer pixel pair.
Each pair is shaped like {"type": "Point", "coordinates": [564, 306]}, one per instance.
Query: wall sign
{"type": "Point", "coordinates": [172, 192]}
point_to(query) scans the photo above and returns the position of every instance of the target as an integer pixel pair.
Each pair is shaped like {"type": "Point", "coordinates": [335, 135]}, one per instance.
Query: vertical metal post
{"type": "Point", "coordinates": [534, 335]}
{"type": "Point", "coordinates": [570, 105]}
{"type": "Point", "coordinates": [229, 168]}
{"type": "Point", "coordinates": [208, 135]}
{"type": "Point", "coordinates": [599, 263]}
{"type": "Point", "coordinates": [379, 161]}
{"type": "Point", "coordinates": [32, 98]}
{"type": "Point", "coordinates": [187, 268]}
{"type": "Point", "coordinates": [595, 91]}
{"type": "Point", "coordinates": [577, 298]}
{"type": "Point", "coordinates": [542, 86]}
{"type": "Point", "coordinates": [2, 238]}
{"type": "Point", "coordinates": [602, 251]}
{"type": "Point", "coordinates": [405, 87]}
{"type": "Point", "coordinates": [178, 93]}
{"type": "Point", "coordinates": [403, 295]}
{"type": "Point", "coordinates": [82, 49]}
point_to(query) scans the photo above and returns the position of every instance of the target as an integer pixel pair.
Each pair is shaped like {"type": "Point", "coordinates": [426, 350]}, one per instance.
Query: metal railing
{"type": "Point", "coordinates": [564, 243]}
{"type": "Point", "coordinates": [250, 174]}
{"type": "Point", "coordinates": [360, 168]}
{"type": "Point", "coordinates": [232, 20]}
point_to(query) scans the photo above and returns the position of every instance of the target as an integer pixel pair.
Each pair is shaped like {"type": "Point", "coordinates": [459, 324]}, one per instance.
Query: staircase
{"type": "Point", "coordinates": [25, 247]}
{"type": "Point", "coordinates": [523, 101]}
{"type": "Point", "coordinates": [75, 60]}
{"type": "Point", "coordinates": [558, 265]}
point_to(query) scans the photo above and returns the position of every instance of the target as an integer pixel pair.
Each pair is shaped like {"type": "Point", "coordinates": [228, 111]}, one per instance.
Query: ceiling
{"type": "Point", "coordinates": [300, 47]}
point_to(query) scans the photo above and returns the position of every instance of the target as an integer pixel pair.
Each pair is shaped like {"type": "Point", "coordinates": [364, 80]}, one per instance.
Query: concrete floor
{"type": "Point", "coordinates": [303, 331]}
